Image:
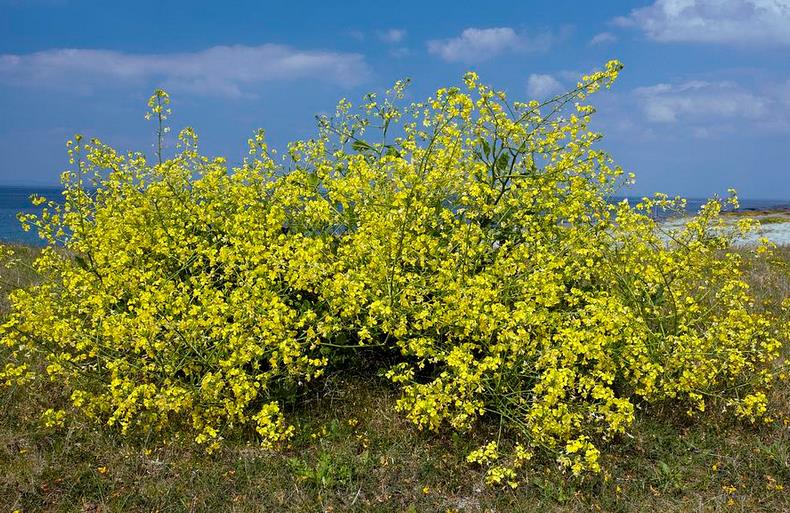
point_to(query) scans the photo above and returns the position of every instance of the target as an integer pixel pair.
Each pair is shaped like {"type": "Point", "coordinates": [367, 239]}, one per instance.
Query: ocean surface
{"type": "Point", "coordinates": [17, 199]}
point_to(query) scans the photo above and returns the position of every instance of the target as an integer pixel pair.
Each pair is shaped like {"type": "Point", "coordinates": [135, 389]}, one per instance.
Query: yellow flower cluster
{"type": "Point", "coordinates": [177, 292]}
{"type": "Point", "coordinates": [472, 236]}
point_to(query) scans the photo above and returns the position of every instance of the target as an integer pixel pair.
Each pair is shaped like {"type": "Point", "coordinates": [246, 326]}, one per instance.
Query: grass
{"type": "Point", "coordinates": [758, 212]}
{"type": "Point", "coordinates": [765, 216]}
{"type": "Point", "coordinates": [774, 219]}
{"type": "Point", "coordinates": [16, 276]}
{"type": "Point", "coordinates": [353, 452]}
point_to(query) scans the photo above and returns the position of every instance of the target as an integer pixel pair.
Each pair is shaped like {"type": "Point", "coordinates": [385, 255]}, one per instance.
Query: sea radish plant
{"type": "Point", "coordinates": [472, 237]}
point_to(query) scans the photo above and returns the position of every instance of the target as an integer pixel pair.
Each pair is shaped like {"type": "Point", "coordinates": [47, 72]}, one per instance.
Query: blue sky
{"type": "Point", "coordinates": [702, 104]}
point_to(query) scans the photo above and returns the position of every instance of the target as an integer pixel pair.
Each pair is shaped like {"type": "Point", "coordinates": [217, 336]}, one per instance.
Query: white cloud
{"type": "Point", "coordinates": [479, 44]}
{"type": "Point", "coordinates": [543, 86]}
{"type": "Point", "coordinates": [392, 36]}
{"type": "Point", "coordinates": [714, 21]}
{"type": "Point", "coordinates": [603, 38]}
{"type": "Point", "coordinates": [220, 70]}
{"type": "Point", "coordinates": [698, 109]}
{"type": "Point", "coordinates": [707, 103]}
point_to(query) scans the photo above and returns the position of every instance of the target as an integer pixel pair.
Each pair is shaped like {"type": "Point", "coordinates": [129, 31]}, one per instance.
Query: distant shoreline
{"type": "Point", "coordinates": [755, 211]}
{"type": "Point", "coordinates": [774, 215]}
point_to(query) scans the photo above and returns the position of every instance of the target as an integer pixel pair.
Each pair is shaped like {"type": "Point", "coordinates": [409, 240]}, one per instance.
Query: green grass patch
{"type": "Point", "coordinates": [356, 454]}
{"type": "Point", "coordinates": [774, 219]}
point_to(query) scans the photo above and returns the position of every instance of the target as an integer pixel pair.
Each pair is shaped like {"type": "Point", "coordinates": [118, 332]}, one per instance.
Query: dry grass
{"type": "Point", "coordinates": [15, 276]}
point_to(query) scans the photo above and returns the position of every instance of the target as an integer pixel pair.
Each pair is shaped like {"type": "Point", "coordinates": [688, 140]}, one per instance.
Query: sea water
{"type": "Point", "coordinates": [14, 200]}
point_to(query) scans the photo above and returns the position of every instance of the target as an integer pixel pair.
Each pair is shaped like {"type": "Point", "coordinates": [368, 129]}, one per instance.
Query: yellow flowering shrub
{"type": "Point", "coordinates": [473, 237]}
{"type": "Point", "coordinates": [175, 291]}
{"type": "Point", "coordinates": [482, 242]}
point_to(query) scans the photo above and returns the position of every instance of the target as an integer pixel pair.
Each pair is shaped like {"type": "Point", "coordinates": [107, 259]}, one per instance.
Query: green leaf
{"type": "Point", "coordinates": [361, 146]}
{"type": "Point", "coordinates": [81, 262]}
{"type": "Point", "coordinates": [486, 147]}
{"type": "Point", "coordinates": [502, 162]}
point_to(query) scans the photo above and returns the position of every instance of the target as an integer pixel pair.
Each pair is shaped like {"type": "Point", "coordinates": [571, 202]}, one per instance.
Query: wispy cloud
{"type": "Point", "coordinates": [220, 70]}
{"type": "Point", "coordinates": [480, 44]}
{"type": "Point", "coordinates": [765, 22]}
{"type": "Point", "coordinates": [699, 100]}
{"type": "Point", "coordinates": [706, 109]}
{"type": "Point", "coordinates": [391, 36]}
{"type": "Point", "coordinates": [542, 86]}
{"type": "Point", "coordinates": [710, 108]}
{"type": "Point", "coordinates": [603, 38]}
